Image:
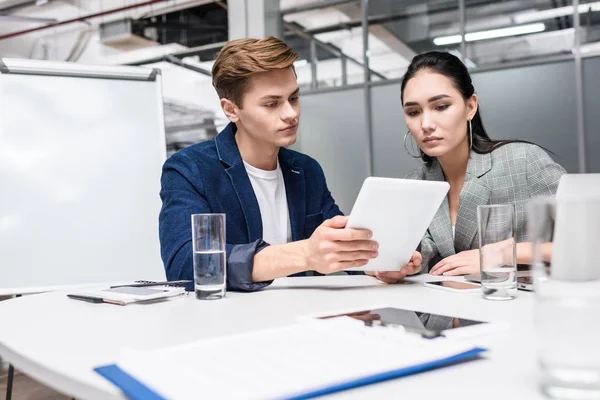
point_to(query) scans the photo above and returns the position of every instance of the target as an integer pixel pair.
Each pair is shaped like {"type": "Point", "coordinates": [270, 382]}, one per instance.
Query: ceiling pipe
{"type": "Point", "coordinates": [314, 6]}
{"type": "Point", "coordinates": [20, 18]}
{"type": "Point", "coordinates": [172, 60]}
{"type": "Point", "coordinates": [80, 19]}
{"type": "Point", "coordinates": [8, 6]}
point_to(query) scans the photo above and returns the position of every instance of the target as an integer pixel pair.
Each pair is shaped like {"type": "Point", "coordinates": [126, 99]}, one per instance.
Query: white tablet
{"type": "Point", "coordinates": [398, 212]}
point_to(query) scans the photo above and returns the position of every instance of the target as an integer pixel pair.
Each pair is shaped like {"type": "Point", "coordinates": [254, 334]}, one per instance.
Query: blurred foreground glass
{"type": "Point", "coordinates": [567, 293]}
{"type": "Point", "coordinates": [497, 251]}
{"type": "Point", "coordinates": [208, 242]}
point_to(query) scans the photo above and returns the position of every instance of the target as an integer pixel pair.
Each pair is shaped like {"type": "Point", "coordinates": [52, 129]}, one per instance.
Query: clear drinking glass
{"type": "Point", "coordinates": [541, 220]}
{"type": "Point", "coordinates": [497, 251]}
{"type": "Point", "coordinates": [567, 293]}
{"type": "Point", "coordinates": [208, 242]}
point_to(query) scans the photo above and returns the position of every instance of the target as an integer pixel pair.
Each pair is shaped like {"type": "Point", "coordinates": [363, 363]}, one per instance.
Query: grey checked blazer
{"type": "Point", "coordinates": [513, 173]}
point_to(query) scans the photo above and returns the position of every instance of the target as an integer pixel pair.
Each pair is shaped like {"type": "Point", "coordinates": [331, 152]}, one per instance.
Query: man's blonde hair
{"type": "Point", "coordinates": [242, 58]}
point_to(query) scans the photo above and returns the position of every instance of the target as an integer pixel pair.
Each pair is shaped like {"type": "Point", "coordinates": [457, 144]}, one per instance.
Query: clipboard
{"type": "Point", "coordinates": [165, 373]}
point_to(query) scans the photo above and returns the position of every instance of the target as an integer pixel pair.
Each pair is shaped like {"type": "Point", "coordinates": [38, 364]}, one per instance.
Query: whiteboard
{"type": "Point", "coordinates": [81, 151]}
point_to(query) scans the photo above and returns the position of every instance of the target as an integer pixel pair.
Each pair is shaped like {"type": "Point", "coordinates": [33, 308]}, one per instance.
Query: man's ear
{"type": "Point", "coordinates": [230, 109]}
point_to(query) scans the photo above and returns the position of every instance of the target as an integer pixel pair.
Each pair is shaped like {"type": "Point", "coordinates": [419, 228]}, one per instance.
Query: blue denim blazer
{"type": "Point", "coordinates": [210, 177]}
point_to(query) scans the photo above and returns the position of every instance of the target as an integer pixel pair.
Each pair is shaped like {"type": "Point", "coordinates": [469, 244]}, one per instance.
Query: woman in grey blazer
{"type": "Point", "coordinates": [442, 113]}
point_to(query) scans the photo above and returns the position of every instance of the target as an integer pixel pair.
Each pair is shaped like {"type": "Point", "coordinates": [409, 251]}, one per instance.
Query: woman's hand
{"type": "Point", "coordinates": [463, 263]}
{"type": "Point", "coordinates": [467, 262]}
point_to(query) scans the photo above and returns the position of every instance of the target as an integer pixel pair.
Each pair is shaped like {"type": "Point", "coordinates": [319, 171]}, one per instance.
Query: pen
{"type": "Point", "coordinates": [89, 299]}
{"type": "Point", "coordinates": [145, 284]}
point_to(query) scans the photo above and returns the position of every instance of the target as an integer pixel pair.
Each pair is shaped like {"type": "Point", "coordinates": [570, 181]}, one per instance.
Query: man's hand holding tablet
{"type": "Point", "coordinates": [331, 248]}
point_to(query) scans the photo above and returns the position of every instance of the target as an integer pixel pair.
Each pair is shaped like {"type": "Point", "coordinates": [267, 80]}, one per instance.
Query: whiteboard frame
{"type": "Point", "coordinates": [68, 69]}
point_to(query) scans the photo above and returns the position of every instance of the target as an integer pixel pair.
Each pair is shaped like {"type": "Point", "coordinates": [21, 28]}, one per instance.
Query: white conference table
{"type": "Point", "coordinates": [58, 341]}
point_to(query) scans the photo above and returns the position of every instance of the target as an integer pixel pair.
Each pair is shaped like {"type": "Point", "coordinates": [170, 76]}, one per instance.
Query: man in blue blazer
{"type": "Point", "coordinates": [281, 219]}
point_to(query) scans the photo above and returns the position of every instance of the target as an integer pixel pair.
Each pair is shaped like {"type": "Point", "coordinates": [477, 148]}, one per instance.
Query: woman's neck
{"type": "Point", "coordinates": [454, 163]}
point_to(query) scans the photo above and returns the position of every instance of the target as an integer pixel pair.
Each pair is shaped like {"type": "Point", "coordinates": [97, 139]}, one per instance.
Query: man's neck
{"type": "Point", "coordinates": [258, 154]}
{"type": "Point", "coordinates": [454, 164]}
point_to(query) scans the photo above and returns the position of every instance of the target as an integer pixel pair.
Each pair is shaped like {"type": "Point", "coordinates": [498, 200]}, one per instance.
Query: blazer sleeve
{"type": "Point", "coordinates": [330, 208]}
{"type": "Point", "coordinates": [182, 197]}
{"type": "Point", "coordinates": [427, 247]}
{"type": "Point", "coordinates": [428, 251]}
{"type": "Point", "coordinates": [543, 174]}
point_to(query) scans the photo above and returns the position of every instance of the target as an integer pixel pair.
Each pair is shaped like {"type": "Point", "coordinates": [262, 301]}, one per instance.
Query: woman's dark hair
{"type": "Point", "coordinates": [452, 67]}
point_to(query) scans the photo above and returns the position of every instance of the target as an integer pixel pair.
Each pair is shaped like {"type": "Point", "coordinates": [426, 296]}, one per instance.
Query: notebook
{"type": "Point", "coordinates": [127, 294]}
{"type": "Point", "coordinates": [301, 361]}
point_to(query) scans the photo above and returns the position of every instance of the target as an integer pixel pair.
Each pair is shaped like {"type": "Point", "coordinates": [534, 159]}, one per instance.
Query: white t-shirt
{"type": "Point", "coordinates": [269, 189]}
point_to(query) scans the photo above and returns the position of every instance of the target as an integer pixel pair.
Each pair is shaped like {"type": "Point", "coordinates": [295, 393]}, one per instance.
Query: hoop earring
{"type": "Point", "coordinates": [471, 135]}
{"type": "Point", "coordinates": [406, 148]}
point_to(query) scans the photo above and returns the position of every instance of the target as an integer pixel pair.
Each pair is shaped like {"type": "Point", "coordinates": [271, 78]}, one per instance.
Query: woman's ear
{"type": "Point", "coordinates": [230, 109]}
{"type": "Point", "coordinates": [472, 106]}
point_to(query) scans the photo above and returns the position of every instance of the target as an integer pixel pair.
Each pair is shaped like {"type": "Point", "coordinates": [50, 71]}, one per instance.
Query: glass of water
{"type": "Point", "coordinates": [497, 251]}
{"type": "Point", "coordinates": [564, 234]}
{"type": "Point", "coordinates": [208, 242]}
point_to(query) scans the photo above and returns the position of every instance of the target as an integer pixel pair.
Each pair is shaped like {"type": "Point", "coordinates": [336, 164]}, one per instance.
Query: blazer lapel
{"type": "Point", "coordinates": [475, 192]}
{"type": "Point", "coordinates": [441, 226]}
{"type": "Point", "coordinates": [441, 230]}
{"type": "Point", "coordinates": [231, 159]}
{"type": "Point", "coordinates": [295, 191]}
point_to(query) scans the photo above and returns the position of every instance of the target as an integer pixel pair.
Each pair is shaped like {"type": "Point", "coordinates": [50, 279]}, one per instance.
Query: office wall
{"type": "Point", "coordinates": [333, 131]}
{"type": "Point", "coordinates": [591, 100]}
{"type": "Point", "coordinates": [391, 160]}
{"type": "Point", "coordinates": [535, 103]}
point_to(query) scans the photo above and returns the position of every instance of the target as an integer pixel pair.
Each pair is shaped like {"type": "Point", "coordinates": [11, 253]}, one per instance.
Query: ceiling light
{"type": "Point", "coordinates": [37, 67]}
{"type": "Point", "coordinates": [490, 34]}
{"type": "Point", "coordinates": [300, 63]}
{"type": "Point", "coordinates": [541, 15]}
{"type": "Point", "coordinates": [444, 40]}
{"type": "Point", "coordinates": [589, 48]}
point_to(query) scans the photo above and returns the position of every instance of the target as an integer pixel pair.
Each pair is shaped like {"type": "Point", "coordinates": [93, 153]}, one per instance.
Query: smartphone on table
{"type": "Point", "coordinates": [455, 286]}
